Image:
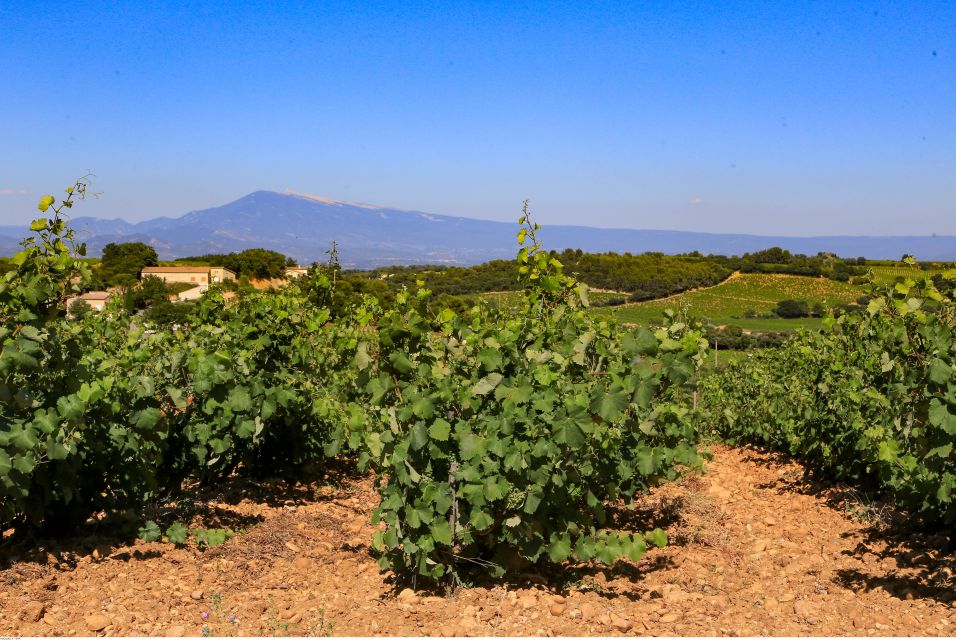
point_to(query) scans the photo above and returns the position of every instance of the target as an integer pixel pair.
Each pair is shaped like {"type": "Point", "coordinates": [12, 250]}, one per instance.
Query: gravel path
{"type": "Point", "coordinates": [753, 551]}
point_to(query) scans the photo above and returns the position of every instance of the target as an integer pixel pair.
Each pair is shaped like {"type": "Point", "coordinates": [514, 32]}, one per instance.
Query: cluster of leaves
{"type": "Point", "coordinates": [498, 437]}
{"type": "Point", "coordinates": [871, 399]}
{"type": "Point", "coordinates": [101, 414]}
{"type": "Point", "coordinates": [180, 535]}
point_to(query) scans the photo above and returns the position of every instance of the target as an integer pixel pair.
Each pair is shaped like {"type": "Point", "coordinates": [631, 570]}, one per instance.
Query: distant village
{"type": "Point", "coordinates": [199, 276]}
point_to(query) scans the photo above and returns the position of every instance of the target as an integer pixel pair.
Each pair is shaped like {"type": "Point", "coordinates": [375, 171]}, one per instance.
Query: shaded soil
{"type": "Point", "coordinates": [754, 551]}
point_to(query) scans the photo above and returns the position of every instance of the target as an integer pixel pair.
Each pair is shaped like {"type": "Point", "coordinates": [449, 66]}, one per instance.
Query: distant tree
{"type": "Point", "coordinates": [256, 263]}
{"type": "Point", "coordinates": [127, 258]}
{"type": "Point", "coordinates": [79, 309]}
{"type": "Point", "coordinates": [151, 290]}
{"type": "Point", "coordinates": [167, 313]}
{"type": "Point", "coordinates": [792, 309]}
{"type": "Point", "coordinates": [773, 255]}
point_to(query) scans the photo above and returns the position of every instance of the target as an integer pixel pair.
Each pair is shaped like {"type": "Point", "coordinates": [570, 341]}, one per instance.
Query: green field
{"type": "Point", "coordinates": [729, 301]}
{"type": "Point", "coordinates": [888, 274]}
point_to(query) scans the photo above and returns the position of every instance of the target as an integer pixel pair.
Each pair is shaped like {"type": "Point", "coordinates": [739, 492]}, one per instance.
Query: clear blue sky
{"type": "Point", "coordinates": [795, 118]}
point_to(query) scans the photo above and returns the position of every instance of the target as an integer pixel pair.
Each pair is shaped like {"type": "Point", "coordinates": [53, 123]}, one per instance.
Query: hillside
{"type": "Point", "coordinates": [728, 302]}
{"type": "Point", "coordinates": [304, 227]}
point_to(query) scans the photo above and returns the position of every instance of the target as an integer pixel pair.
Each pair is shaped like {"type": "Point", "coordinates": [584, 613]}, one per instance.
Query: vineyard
{"type": "Point", "coordinates": [533, 442]}
{"type": "Point", "coordinates": [731, 301]}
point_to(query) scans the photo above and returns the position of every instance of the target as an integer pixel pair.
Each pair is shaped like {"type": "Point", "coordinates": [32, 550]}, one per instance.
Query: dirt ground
{"type": "Point", "coordinates": [754, 551]}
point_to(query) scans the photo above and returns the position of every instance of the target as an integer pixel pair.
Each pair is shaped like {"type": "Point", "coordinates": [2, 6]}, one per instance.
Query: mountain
{"type": "Point", "coordinates": [304, 227]}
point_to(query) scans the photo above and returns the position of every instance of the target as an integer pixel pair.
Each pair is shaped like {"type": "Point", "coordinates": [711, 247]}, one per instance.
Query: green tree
{"type": "Point", "coordinates": [79, 309]}
{"type": "Point", "coordinates": [792, 309]}
{"type": "Point", "coordinates": [151, 290]}
{"type": "Point", "coordinates": [127, 258]}
{"type": "Point", "coordinates": [256, 263]}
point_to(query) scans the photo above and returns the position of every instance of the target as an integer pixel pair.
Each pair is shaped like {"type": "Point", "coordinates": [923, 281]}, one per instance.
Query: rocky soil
{"type": "Point", "coordinates": [754, 551]}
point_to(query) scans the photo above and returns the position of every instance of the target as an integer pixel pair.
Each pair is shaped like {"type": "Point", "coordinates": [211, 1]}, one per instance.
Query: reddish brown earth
{"type": "Point", "coordinates": [753, 551]}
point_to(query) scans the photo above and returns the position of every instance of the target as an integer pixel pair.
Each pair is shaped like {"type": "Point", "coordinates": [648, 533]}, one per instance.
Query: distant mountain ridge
{"type": "Point", "coordinates": [304, 226]}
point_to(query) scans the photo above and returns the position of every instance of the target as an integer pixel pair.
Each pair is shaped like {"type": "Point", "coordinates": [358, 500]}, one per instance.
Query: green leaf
{"type": "Point", "coordinates": [640, 342]}
{"type": "Point", "coordinates": [471, 446]}
{"type": "Point", "coordinates": [239, 400]}
{"type": "Point", "coordinates": [423, 407]}
{"type": "Point", "coordinates": [439, 430]}
{"type": "Point", "coordinates": [56, 451]}
{"type": "Point", "coordinates": [150, 532]}
{"type": "Point", "coordinates": [940, 371]}
{"type": "Point", "coordinates": [532, 500]}
{"type": "Point", "coordinates": [401, 362]}
{"type": "Point", "coordinates": [487, 384]}
{"type": "Point", "coordinates": [441, 532]}
{"type": "Point", "coordinates": [939, 416]}
{"type": "Point", "coordinates": [146, 419]}
{"type": "Point", "coordinates": [490, 359]}
{"type": "Point", "coordinates": [177, 533]}
{"type": "Point", "coordinates": [657, 537]}
{"type": "Point", "coordinates": [611, 404]}
{"type": "Point", "coordinates": [418, 437]}
{"type": "Point", "coordinates": [560, 548]}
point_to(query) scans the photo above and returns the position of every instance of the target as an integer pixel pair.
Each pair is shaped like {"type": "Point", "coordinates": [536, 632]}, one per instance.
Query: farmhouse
{"type": "Point", "coordinates": [200, 276]}
{"type": "Point", "coordinates": [296, 272]}
{"type": "Point", "coordinates": [96, 300]}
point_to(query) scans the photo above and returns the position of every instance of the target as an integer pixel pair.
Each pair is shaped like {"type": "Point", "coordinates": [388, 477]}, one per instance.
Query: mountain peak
{"type": "Point", "coordinates": [326, 200]}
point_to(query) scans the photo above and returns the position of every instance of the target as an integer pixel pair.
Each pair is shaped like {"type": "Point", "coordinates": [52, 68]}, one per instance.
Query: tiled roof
{"type": "Point", "coordinates": [178, 269]}
{"type": "Point", "coordinates": [95, 295]}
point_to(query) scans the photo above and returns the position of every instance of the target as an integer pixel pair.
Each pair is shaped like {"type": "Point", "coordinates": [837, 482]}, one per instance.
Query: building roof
{"type": "Point", "coordinates": [180, 269]}
{"type": "Point", "coordinates": [95, 295]}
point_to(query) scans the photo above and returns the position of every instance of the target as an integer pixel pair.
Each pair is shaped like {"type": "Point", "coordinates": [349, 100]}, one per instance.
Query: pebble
{"type": "Point", "coordinates": [408, 596]}
{"type": "Point", "coordinates": [302, 563]}
{"type": "Point", "coordinates": [34, 611]}
{"type": "Point", "coordinates": [676, 595]}
{"type": "Point", "coordinates": [97, 622]}
{"type": "Point", "coordinates": [196, 595]}
{"type": "Point", "coordinates": [588, 611]}
{"type": "Point", "coordinates": [668, 618]}
{"type": "Point", "coordinates": [620, 623]}
{"type": "Point", "coordinates": [557, 609]}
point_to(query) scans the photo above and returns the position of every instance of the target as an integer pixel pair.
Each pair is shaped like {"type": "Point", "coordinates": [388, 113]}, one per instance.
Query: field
{"type": "Point", "coordinates": [729, 301]}
{"type": "Point", "coordinates": [889, 274]}
{"type": "Point", "coordinates": [385, 469]}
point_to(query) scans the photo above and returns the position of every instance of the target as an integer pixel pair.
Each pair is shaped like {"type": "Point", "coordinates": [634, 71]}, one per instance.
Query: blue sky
{"type": "Point", "coordinates": [791, 118]}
